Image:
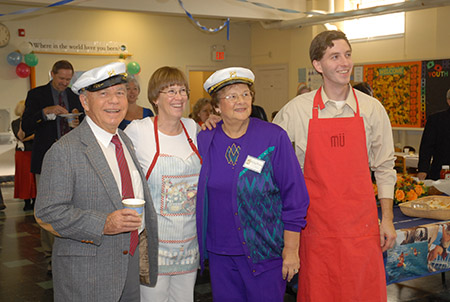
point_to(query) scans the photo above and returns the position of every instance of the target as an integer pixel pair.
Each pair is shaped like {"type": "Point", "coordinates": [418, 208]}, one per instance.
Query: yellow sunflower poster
{"type": "Point", "coordinates": [397, 87]}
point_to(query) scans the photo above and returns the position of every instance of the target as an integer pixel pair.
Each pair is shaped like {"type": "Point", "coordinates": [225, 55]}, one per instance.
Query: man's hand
{"type": "Point", "coordinates": [56, 109]}
{"type": "Point", "coordinates": [76, 120]}
{"type": "Point", "coordinates": [422, 175]}
{"type": "Point", "coordinates": [387, 234]}
{"type": "Point", "coordinates": [122, 221]}
{"type": "Point", "coordinates": [211, 122]}
{"type": "Point", "coordinates": [387, 230]}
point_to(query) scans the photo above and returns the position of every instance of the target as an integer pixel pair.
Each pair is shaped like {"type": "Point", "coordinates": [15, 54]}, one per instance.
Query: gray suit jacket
{"type": "Point", "coordinates": [76, 192]}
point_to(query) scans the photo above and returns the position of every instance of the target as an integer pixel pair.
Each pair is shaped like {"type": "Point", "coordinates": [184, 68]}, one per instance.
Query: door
{"type": "Point", "coordinates": [271, 86]}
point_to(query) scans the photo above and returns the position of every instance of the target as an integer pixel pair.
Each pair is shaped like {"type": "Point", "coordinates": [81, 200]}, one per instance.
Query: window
{"type": "Point", "coordinates": [378, 27]}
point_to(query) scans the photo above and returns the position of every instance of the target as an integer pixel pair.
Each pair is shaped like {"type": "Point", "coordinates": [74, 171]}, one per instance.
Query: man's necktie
{"type": "Point", "coordinates": [63, 125]}
{"type": "Point", "coordinates": [127, 186]}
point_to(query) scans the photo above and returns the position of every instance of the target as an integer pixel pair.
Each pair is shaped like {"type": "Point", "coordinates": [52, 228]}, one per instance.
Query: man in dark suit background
{"type": "Point", "coordinates": [43, 106]}
{"type": "Point", "coordinates": [435, 144]}
{"type": "Point", "coordinates": [42, 110]}
{"type": "Point", "coordinates": [80, 195]}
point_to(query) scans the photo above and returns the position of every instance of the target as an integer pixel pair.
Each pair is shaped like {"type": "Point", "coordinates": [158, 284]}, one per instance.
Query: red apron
{"type": "Point", "coordinates": [340, 253]}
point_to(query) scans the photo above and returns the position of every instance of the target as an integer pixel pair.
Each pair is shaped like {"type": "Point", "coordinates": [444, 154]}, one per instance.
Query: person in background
{"type": "Point", "coordinates": [45, 107]}
{"type": "Point", "coordinates": [252, 198]}
{"type": "Point", "coordinates": [24, 181]}
{"type": "Point", "coordinates": [258, 112]}
{"type": "Point", "coordinates": [340, 134]}
{"type": "Point", "coordinates": [85, 177]}
{"type": "Point", "coordinates": [202, 110]}
{"type": "Point", "coordinates": [303, 89]}
{"type": "Point", "coordinates": [135, 112]}
{"type": "Point", "coordinates": [364, 87]}
{"type": "Point", "coordinates": [2, 202]}
{"type": "Point", "coordinates": [274, 114]}
{"type": "Point", "coordinates": [434, 148]}
{"type": "Point", "coordinates": [166, 148]}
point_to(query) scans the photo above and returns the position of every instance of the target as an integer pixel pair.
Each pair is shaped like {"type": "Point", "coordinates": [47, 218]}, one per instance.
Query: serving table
{"type": "Point", "coordinates": [420, 249]}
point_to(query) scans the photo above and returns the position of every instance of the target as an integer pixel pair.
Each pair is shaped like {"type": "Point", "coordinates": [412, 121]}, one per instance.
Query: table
{"type": "Point", "coordinates": [418, 239]}
{"type": "Point", "coordinates": [406, 160]}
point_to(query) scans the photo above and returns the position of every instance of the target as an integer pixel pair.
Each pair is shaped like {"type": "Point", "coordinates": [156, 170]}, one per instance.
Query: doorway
{"type": "Point", "coordinates": [271, 86]}
{"type": "Point", "coordinates": [196, 77]}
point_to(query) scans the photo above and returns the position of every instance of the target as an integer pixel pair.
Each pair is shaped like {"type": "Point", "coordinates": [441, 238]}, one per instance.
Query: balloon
{"type": "Point", "coordinates": [25, 47]}
{"type": "Point", "coordinates": [23, 70]}
{"type": "Point", "coordinates": [31, 59]}
{"type": "Point", "coordinates": [14, 58]}
{"type": "Point", "coordinates": [133, 68]}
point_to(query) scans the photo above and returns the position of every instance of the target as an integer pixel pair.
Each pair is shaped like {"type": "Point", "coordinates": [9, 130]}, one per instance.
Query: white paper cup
{"type": "Point", "coordinates": [134, 204]}
{"type": "Point", "coordinates": [71, 122]}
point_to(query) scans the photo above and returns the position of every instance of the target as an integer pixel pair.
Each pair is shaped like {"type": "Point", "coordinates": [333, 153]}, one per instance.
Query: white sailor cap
{"type": "Point", "coordinates": [228, 76]}
{"type": "Point", "coordinates": [101, 77]}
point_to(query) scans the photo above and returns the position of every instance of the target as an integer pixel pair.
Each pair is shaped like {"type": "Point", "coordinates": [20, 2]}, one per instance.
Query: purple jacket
{"type": "Point", "coordinates": [266, 203]}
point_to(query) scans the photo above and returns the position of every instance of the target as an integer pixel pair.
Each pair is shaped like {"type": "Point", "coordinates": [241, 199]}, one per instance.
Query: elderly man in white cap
{"type": "Point", "coordinates": [85, 176]}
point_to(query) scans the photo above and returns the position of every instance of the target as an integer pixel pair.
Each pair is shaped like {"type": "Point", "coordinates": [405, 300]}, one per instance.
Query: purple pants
{"type": "Point", "coordinates": [232, 280]}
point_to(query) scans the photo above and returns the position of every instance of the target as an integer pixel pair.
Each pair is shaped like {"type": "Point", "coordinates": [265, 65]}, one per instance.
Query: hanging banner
{"type": "Point", "coordinates": [211, 30]}
{"type": "Point", "coordinates": [397, 87]}
{"type": "Point", "coordinates": [435, 83]}
{"type": "Point", "coordinates": [82, 47]}
{"type": "Point", "coordinates": [34, 9]}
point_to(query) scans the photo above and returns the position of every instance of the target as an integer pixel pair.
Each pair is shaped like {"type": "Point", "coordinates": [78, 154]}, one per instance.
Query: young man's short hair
{"type": "Point", "coordinates": [324, 40]}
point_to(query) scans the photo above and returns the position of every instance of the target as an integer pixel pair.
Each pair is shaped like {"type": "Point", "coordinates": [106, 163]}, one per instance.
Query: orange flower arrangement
{"type": "Point", "coordinates": [407, 189]}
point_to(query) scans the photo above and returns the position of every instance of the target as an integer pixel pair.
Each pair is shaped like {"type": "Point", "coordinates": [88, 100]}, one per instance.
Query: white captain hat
{"type": "Point", "coordinates": [101, 77]}
{"type": "Point", "coordinates": [228, 76]}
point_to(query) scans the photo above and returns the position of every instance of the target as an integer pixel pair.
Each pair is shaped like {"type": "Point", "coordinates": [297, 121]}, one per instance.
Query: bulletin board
{"type": "Point", "coordinates": [397, 86]}
{"type": "Point", "coordinates": [435, 84]}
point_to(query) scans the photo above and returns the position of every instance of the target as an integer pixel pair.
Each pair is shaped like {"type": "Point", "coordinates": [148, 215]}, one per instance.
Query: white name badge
{"type": "Point", "coordinates": [254, 164]}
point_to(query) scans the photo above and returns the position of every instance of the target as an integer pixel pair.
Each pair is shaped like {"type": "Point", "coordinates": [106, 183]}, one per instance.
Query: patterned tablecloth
{"type": "Point", "coordinates": [421, 249]}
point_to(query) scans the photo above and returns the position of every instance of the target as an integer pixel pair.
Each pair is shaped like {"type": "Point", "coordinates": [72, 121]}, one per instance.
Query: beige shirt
{"type": "Point", "coordinates": [294, 118]}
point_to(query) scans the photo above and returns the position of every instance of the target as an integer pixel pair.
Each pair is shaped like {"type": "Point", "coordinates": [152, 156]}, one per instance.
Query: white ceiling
{"type": "Point", "coordinates": [242, 9]}
{"type": "Point", "coordinates": [269, 12]}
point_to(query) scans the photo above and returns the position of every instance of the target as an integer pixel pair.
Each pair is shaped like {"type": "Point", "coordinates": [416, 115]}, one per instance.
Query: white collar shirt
{"type": "Point", "coordinates": [295, 115]}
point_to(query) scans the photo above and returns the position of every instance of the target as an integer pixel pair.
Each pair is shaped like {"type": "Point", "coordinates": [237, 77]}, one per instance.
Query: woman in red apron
{"type": "Point", "coordinates": [340, 253]}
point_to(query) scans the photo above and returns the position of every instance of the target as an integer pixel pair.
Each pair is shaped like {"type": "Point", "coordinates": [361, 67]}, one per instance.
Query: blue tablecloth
{"type": "Point", "coordinates": [416, 238]}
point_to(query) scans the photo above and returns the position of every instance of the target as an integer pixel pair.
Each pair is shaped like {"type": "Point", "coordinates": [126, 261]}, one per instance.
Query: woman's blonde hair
{"type": "Point", "coordinates": [20, 108]}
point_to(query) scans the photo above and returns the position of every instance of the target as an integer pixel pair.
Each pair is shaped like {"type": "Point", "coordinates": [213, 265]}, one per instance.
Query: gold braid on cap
{"type": "Point", "coordinates": [232, 81]}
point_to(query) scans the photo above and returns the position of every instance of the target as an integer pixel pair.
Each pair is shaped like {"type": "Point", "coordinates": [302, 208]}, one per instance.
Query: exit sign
{"type": "Point", "coordinates": [218, 55]}
{"type": "Point", "coordinates": [218, 52]}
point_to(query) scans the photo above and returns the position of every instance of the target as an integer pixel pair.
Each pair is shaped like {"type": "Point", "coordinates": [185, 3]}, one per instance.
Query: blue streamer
{"type": "Point", "coordinates": [211, 30]}
{"type": "Point", "coordinates": [284, 10]}
{"type": "Point", "coordinates": [30, 10]}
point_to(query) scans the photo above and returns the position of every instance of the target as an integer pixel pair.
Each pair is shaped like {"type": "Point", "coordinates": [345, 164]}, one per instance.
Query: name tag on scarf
{"type": "Point", "coordinates": [254, 164]}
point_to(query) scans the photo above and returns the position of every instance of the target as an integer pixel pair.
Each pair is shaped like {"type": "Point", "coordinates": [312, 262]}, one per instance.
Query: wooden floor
{"type": "Point", "coordinates": [23, 269]}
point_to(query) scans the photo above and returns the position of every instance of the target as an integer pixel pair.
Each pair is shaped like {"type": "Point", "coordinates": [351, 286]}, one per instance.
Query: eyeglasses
{"type": "Point", "coordinates": [233, 97]}
{"type": "Point", "coordinates": [172, 92]}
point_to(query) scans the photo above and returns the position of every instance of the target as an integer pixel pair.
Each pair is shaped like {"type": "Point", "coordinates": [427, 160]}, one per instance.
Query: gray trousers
{"type": "Point", "coordinates": [131, 291]}
{"type": "Point", "coordinates": [47, 238]}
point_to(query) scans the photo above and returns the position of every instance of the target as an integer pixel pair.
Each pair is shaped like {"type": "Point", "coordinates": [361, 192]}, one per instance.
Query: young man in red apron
{"type": "Point", "coordinates": [339, 134]}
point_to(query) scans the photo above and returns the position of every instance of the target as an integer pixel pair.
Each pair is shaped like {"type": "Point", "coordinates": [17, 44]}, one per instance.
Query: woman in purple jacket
{"type": "Point", "coordinates": [251, 197]}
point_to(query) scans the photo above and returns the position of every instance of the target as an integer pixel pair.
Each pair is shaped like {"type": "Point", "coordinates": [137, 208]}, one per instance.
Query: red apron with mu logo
{"type": "Point", "coordinates": [340, 253]}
